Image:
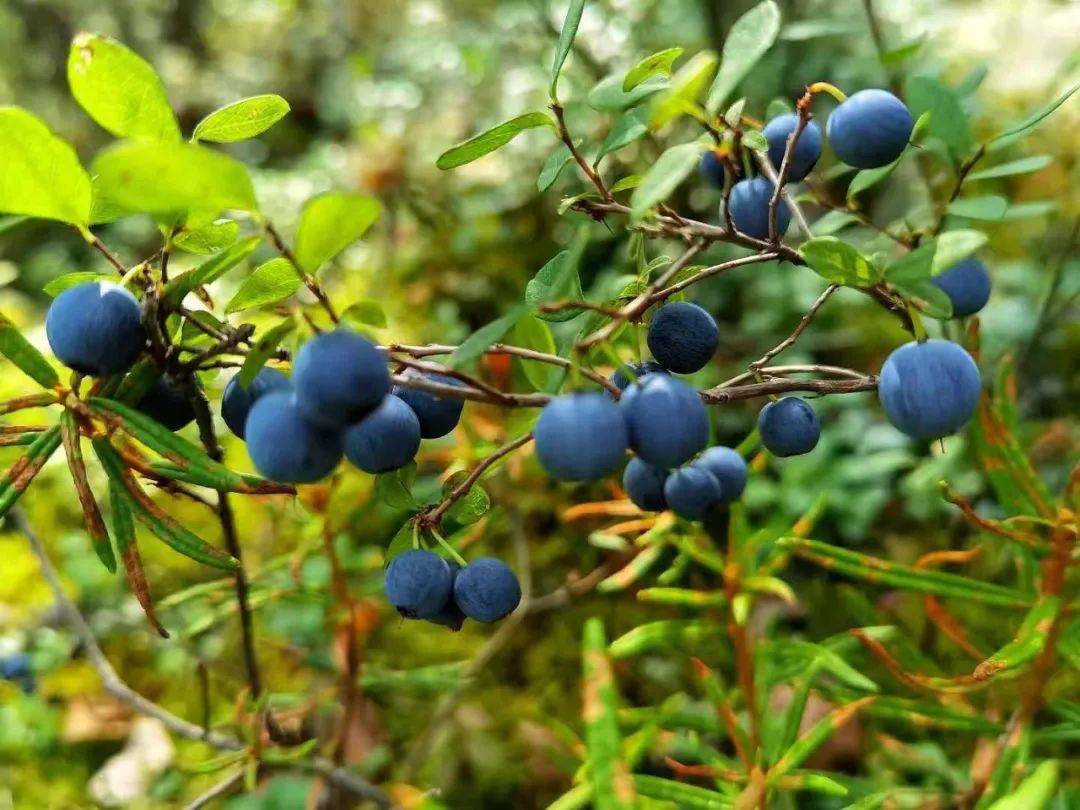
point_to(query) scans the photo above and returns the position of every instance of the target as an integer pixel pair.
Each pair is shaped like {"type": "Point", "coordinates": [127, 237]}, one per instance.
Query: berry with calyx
{"type": "Point", "coordinates": [644, 484]}
{"type": "Point", "coordinates": [929, 389]}
{"type": "Point", "coordinates": [339, 378]}
{"type": "Point", "coordinates": [168, 402]}
{"type": "Point", "coordinates": [384, 440]}
{"type": "Point", "coordinates": [95, 328]}
{"type": "Point", "coordinates": [438, 415]}
{"type": "Point", "coordinates": [728, 467]}
{"type": "Point", "coordinates": [580, 437]}
{"type": "Point", "coordinates": [749, 207]}
{"type": "Point", "coordinates": [285, 445]}
{"type": "Point", "coordinates": [967, 284]}
{"type": "Point", "coordinates": [620, 379]}
{"type": "Point", "coordinates": [487, 590]}
{"type": "Point", "coordinates": [666, 420]}
{"type": "Point", "coordinates": [418, 584]}
{"type": "Point", "coordinates": [236, 401]}
{"type": "Point", "coordinates": [683, 337]}
{"type": "Point", "coordinates": [789, 427]}
{"type": "Point", "coordinates": [870, 129]}
{"type": "Point", "coordinates": [807, 149]}
{"type": "Point", "coordinates": [691, 491]}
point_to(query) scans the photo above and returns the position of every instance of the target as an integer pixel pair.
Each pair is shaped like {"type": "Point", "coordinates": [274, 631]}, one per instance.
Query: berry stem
{"type": "Point", "coordinates": [825, 87]}
{"type": "Point", "coordinates": [449, 548]}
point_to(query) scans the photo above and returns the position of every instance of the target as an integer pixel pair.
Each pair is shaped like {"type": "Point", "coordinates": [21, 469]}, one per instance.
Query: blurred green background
{"type": "Point", "coordinates": [377, 91]}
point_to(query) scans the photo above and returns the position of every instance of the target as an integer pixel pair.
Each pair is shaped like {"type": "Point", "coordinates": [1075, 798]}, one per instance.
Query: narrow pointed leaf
{"type": "Point", "coordinates": [566, 42]}
{"type": "Point", "coordinates": [474, 346]}
{"type": "Point", "coordinates": [664, 176]}
{"type": "Point", "coordinates": [95, 524]}
{"type": "Point", "coordinates": [263, 350]}
{"type": "Point", "coordinates": [210, 270]}
{"type": "Point", "coordinates": [123, 527]}
{"type": "Point", "coordinates": [1030, 640]}
{"type": "Point", "coordinates": [681, 794]}
{"type": "Point", "coordinates": [747, 41]}
{"type": "Point", "coordinates": [22, 473]}
{"type": "Point", "coordinates": [494, 138]}
{"type": "Point", "coordinates": [26, 358]}
{"type": "Point", "coordinates": [608, 774]}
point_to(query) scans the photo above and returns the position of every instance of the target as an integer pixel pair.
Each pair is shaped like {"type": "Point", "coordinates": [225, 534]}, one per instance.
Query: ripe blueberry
{"type": "Point", "coordinates": [620, 380]}
{"type": "Point", "coordinates": [683, 337]}
{"type": "Point", "coordinates": [487, 590]}
{"type": "Point", "coordinates": [692, 491]}
{"type": "Point", "coordinates": [728, 467]}
{"type": "Point", "coordinates": [749, 205]}
{"type": "Point", "coordinates": [418, 584]}
{"type": "Point", "coordinates": [644, 483]}
{"type": "Point", "coordinates": [287, 447]}
{"type": "Point", "coordinates": [666, 420]}
{"type": "Point", "coordinates": [929, 389]}
{"type": "Point", "coordinates": [236, 402]}
{"type": "Point", "coordinates": [438, 415]}
{"type": "Point", "coordinates": [870, 129]}
{"type": "Point", "coordinates": [789, 427]}
{"type": "Point", "coordinates": [385, 439]}
{"type": "Point", "coordinates": [167, 402]}
{"type": "Point", "coordinates": [711, 168]}
{"type": "Point", "coordinates": [339, 377]}
{"type": "Point", "coordinates": [95, 328]}
{"type": "Point", "coordinates": [807, 148]}
{"type": "Point", "coordinates": [580, 437]}
{"type": "Point", "coordinates": [967, 284]}
{"type": "Point", "coordinates": [450, 615]}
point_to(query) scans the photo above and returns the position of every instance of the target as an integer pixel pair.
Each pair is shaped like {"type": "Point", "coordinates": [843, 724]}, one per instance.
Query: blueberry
{"type": "Point", "coordinates": [620, 380]}
{"type": "Point", "coordinates": [644, 483]}
{"type": "Point", "coordinates": [285, 445]}
{"type": "Point", "coordinates": [168, 402]}
{"type": "Point", "coordinates": [692, 491]}
{"type": "Point", "coordinates": [749, 205]}
{"type": "Point", "coordinates": [339, 377]}
{"type": "Point", "coordinates": [237, 400]}
{"type": "Point", "coordinates": [15, 667]}
{"type": "Point", "coordinates": [450, 615]}
{"type": "Point", "coordinates": [683, 337]}
{"type": "Point", "coordinates": [711, 168]}
{"type": "Point", "coordinates": [807, 148]}
{"type": "Point", "coordinates": [418, 584]}
{"type": "Point", "coordinates": [95, 328]}
{"type": "Point", "coordinates": [789, 427]}
{"type": "Point", "coordinates": [728, 467]}
{"type": "Point", "coordinates": [385, 439]}
{"type": "Point", "coordinates": [438, 415]}
{"type": "Point", "coordinates": [580, 437]}
{"type": "Point", "coordinates": [487, 590]}
{"type": "Point", "coordinates": [929, 389]}
{"type": "Point", "coordinates": [666, 420]}
{"type": "Point", "coordinates": [967, 284]}
{"type": "Point", "coordinates": [870, 129]}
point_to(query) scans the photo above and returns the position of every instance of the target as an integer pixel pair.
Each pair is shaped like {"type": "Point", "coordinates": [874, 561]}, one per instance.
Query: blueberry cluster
{"type": "Point", "coordinates": [339, 402]}
{"type": "Point", "coordinates": [422, 585]}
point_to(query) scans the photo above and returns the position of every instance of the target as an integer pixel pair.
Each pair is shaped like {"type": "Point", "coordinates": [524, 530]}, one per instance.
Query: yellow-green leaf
{"type": "Point", "coordinates": [269, 283]}
{"type": "Point", "coordinates": [330, 223]}
{"type": "Point", "coordinates": [241, 119]}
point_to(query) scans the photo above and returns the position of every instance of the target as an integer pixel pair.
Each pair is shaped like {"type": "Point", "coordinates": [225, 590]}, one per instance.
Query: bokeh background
{"type": "Point", "coordinates": [377, 91]}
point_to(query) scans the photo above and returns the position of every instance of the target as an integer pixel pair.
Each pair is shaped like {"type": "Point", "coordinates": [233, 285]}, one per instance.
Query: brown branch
{"type": "Point", "coordinates": [591, 173]}
{"type": "Point", "coordinates": [803, 107]}
{"type": "Point", "coordinates": [782, 385]}
{"type": "Point", "coordinates": [709, 272]}
{"type": "Point", "coordinates": [794, 336]}
{"type": "Point", "coordinates": [309, 280]}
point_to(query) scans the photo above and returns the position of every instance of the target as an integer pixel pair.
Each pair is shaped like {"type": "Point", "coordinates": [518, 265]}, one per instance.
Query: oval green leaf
{"type": "Point", "coordinates": [242, 119]}
{"type": "Point", "coordinates": [492, 139]}
{"type": "Point", "coordinates": [330, 223]}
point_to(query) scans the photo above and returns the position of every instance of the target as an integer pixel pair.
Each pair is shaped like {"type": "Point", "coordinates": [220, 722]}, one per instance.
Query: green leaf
{"type": "Point", "coordinates": [608, 95]}
{"type": "Point", "coordinates": [936, 303]}
{"type": "Point", "coordinates": [680, 794]}
{"type": "Point", "coordinates": [666, 634]}
{"type": "Point", "coordinates": [867, 178]}
{"type": "Point", "coordinates": [1030, 640]}
{"type": "Point", "coordinates": [838, 262]}
{"type": "Point", "coordinates": [119, 89]}
{"type": "Point", "coordinates": [532, 333]}
{"type": "Point", "coordinates": [665, 174]}
{"type": "Point", "coordinates": [210, 270]}
{"type": "Point", "coordinates": [68, 280]}
{"type": "Point", "coordinates": [1036, 792]}
{"type": "Point", "coordinates": [241, 119]}
{"type": "Point", "coordinates": [1031, 120]}
{"type": "Point", "coordinates": [1028, 210]}
{"type": "Point", "coordinates": [687, 85]}
{"type": "Point", "coordinates": [626, 129]}
{"type": "Point", "coordinates": [566, 42]}
{"type": "Point", "coordinates": [755, 139]}
{"type": "Point", "coordinates": [986, 207]}
{"type": "Point", "coordinates": [608, 774]}
{"type": "Point", "coordinates": [658, 63]}
{"type": "Point", "coordinates": [269, 283]}
{"type": "Point", "coordinates": [474, 346]}
{"type": "Point", "coordinates": [263, 350]}
{"type": "Point", "coordinates": [366, 312]}
{"type": "Point", "coordinates": [626, 183]}
{"type": "Point", "coordinates": [557, 280]}
{"type": "Point", "coordinates": [26, 358]}
{"type": "Point", "coordinates": [492, 139]}
{"type": "Point", "coordinates": [552, 168]}
{"type": "Point", "coordinates": [40, 175]}
{"type": "Point", "coordinates": [1021, 166]}
{"type": "Point", "coordinates": [833, 222]}
{"type": "Point", "coordinates": [948, 121]}
{"type": "Point", "coordinates": [330, 223]}
{"type": "Point", "coordinates": [395, 488]}
{"type": "Point", "coordinates": [207, 239]}
{"type": "Point", "coordinates": [404, 538]}
{"type": "Point", "coordinates": [747, 41]}
{"type": "Point", "coordinates": [21, 474]}
{"type": "Point", "coordinates": [160, 178]}
{"type": "Point", "coordinates": [935, 256]}
{"type": "Point", "coordinates": [472, 506]}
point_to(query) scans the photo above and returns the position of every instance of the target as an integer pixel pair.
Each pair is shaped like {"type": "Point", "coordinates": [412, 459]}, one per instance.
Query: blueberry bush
{"type": "Point", "coordinates": [741, 634]}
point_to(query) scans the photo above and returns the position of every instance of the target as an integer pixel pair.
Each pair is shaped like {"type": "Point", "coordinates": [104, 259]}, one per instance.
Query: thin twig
{"type": "Point", "coordinates": [309, 280]}
{"type": "Point", "coordinates": [794, 336]}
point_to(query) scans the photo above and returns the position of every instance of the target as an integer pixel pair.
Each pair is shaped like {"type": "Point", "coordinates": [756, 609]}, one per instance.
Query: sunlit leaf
{"type": "Point", "coordinates": [659, 63]}
{"type": "Point", "coordinates": [241, 119]}
{"type": "Point", "coordinates": [746, 42]}
{"type": "Point", "coordinates": [492, 139]}
{"type": "Point", "coordinates": [330, 223]}
{"type": "Point", "coordinates": [268, 283]}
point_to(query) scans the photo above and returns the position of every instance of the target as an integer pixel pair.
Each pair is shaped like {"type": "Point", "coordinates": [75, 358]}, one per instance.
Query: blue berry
{"type": "Point", "coordinates": [644, 483]}
{"type": "Point", "coordinates": [807, 148]}
{"type": "Point", "coordinates": [339, 377]}
{"type": "Point", "coordinates": [450, 615]}
{"type": "Point", "coordinates": [487, 590]}
{"type": "Point", "coordinates": [168, 403]}
{"type": "Point", "coordinates": [418, 584]}
{"type": "Point", "coordinates": [666, 420]}
{"type": "Point", "coordinates": [385, 439]}
{"type": "Point", "coordinates": [683, 337]}
{"type": "Point", "coordinates": [285, 445]}
{"type": "Point", "coordinates": [789, 427]}
{"type": "Point", "coordinates": [929, 389]}
{"type": "Point", "coordinates": [967, 284]}
{"type": "Point", "coordinates": [749, 205]}
{"type": "Point", "coordinates": [580, 437]}
{"type": "Point", "coordinates": [620, 380]}
{"type": "Point", "coordinates": [728, 467]}
{"type": "Point", "coordinates": [95, 328]}
{"type": "Point", "coordinates": [438, 415]}
{"type": "Point", "coordinates": [236, 402]}
{"type": "Point", "coordinates": [711, 168]}
{"type": "Point", "coordinates": [870, 129]}
{"type": "Point", "coordinates": [690, 492]}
